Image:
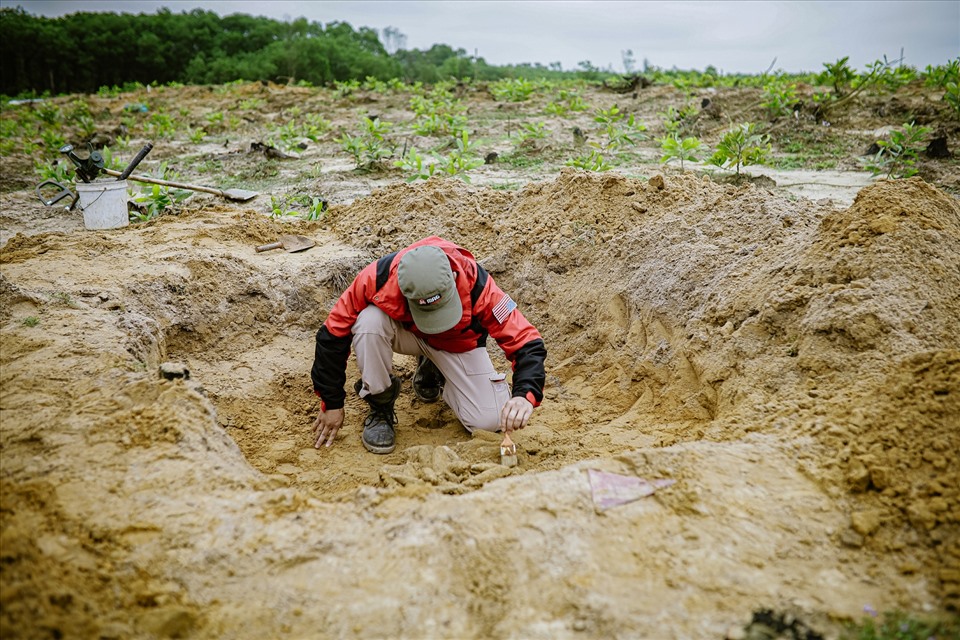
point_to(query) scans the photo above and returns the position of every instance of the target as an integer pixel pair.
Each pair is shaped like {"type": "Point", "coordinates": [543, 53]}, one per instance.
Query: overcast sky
{"type": "Point", "coordinates": [732, 36]}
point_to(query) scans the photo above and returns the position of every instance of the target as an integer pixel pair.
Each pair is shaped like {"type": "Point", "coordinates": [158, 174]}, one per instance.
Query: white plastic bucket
{"type": "Point", "coordinates": [104, 204]}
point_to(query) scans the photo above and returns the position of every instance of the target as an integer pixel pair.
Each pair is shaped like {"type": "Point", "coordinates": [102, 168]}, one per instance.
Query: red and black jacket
{"type": "Point", "coordinates": [487, 311]}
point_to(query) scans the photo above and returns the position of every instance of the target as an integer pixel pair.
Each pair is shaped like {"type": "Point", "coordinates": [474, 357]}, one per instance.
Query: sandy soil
{"type": "Point", "coordinates": [789, 358]}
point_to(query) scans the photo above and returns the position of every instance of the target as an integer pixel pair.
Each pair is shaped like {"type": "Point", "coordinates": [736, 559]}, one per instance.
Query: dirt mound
{"type": "Point", "coordinates": [794, 368]}
{"type": "Point", "coordinates": [741, 311]}
{"type": "Point", "coordinates": [885, 338]}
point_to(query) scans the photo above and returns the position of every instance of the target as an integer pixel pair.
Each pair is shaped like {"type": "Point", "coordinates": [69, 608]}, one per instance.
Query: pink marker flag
{"type": "Point", "coordinates": [612, 489]}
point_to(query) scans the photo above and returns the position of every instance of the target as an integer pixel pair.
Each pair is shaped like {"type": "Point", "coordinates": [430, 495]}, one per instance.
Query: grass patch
{"type": "Point", "coordinates": [208, 166]}
{"type": "Point", "coordinates": [897, 625]}
{"type": "Point", "coordinates": [800, 162]}
{"type": "Point", "coordinates": [63, 298]}
{"type": "Point", "coordinates": [257, 173]}
{"type": "Point", "coordinates": [788, 162]}
{"type": "Point", "coordinates": [629, 159]}
{"type": "Point", "coordinates": [506, 186]}
{"type": "Point", "coordinates": [521, 161]}
{"type": "Point", "coordinates": [816, 149]}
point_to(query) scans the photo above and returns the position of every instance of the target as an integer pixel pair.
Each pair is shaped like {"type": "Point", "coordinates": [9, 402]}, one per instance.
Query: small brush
{"type": "Point", "coordinates": [508, 451]}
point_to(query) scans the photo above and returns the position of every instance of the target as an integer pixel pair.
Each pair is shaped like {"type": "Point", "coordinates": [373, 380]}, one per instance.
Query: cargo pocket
{"type": "Point", "coordinates": [501, 390]}
{"type": "Point", "coordinates": [481, 392]}
{"type": "Point", "coordinates": [476, 363]}
{"type": "Point", "coordinates": [490, 402]}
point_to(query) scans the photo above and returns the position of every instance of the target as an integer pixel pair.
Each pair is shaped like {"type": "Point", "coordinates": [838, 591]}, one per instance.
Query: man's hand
{"type": "Point", "coordinates": [326, 425]}
{"type": "Point", "coordinates": [515, 414]}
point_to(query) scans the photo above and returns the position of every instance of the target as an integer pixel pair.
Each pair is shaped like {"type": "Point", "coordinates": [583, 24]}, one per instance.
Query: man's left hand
{"type": "Point", "coordinates": [515, 414]}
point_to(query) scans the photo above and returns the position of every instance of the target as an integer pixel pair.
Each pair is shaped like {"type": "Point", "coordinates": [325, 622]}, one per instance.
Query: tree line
{"type": "Point", "coordinates": [81, 52]}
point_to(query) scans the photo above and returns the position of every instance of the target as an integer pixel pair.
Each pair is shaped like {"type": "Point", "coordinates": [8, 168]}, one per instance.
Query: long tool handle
{"type": "Point", "coordinates": [268, 247]}
{"type": "Point", "coordinates": [166, 183]}
{"type": "Point", "coordinates": [137, 159]}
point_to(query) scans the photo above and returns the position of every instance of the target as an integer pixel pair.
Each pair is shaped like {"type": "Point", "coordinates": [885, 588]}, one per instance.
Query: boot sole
{"type": "Point", "coordinates": [378, 450]}
{"type": "Point", "coordinates": [425, 399]}
{"type": "Point", "coordinates": [416, 391]}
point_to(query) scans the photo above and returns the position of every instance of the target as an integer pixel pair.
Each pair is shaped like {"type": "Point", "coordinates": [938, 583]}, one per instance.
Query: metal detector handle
{"type": "Point", "coordinates": [67, 150]}
{"type": "Point", "coordinates": [136, 160]}
{"type": "Point", "coordinates": [63, 193]}
{"type": "Point", "coordinates": [87, 168]}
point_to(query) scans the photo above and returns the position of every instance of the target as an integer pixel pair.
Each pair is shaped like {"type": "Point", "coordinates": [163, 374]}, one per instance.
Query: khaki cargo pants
{"type": "Point", "coordinates": [473, 389]}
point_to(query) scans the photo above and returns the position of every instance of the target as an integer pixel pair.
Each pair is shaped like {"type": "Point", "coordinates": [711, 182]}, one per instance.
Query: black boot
{"type": "Point", "coordinates": [427, 380]}
{"type": "Point", "coordinates": [378, 433]}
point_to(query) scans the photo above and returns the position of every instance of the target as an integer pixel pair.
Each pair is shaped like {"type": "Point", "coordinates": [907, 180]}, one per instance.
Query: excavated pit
{"type": "Point", "coordinates": [794, 367]}
{"type": "Point", "coordinates": [246, 339]}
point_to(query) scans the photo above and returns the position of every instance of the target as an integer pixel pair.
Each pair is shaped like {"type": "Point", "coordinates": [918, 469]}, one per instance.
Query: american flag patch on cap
{"type": "Point", "coordinates": [503, 308]}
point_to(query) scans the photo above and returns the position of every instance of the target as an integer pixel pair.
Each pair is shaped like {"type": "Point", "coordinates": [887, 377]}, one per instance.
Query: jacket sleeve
{"type": "Point", "coordinates": [520, 341]}
{"type": "Point", "coordinates": [329, 371]}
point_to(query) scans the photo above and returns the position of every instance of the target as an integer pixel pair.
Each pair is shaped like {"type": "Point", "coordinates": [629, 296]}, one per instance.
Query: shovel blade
{"type": "Point", "coordinates": [289, 242]}
{"type": "Point", "coordinates": [296, 243]}
{"type": "Point", "coordinates": [239, 195]}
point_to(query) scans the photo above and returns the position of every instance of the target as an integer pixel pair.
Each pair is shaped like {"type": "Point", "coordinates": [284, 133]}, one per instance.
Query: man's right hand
{"type": "Point", "coordinates": [326, 425]}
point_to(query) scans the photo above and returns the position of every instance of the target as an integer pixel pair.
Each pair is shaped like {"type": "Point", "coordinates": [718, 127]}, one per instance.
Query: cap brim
{"type": "Point", "coordinates": [439, 319]}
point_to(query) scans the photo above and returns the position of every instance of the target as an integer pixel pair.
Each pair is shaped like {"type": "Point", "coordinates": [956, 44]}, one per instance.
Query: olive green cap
{"type": "Point", "coordinates": [426, 281]}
